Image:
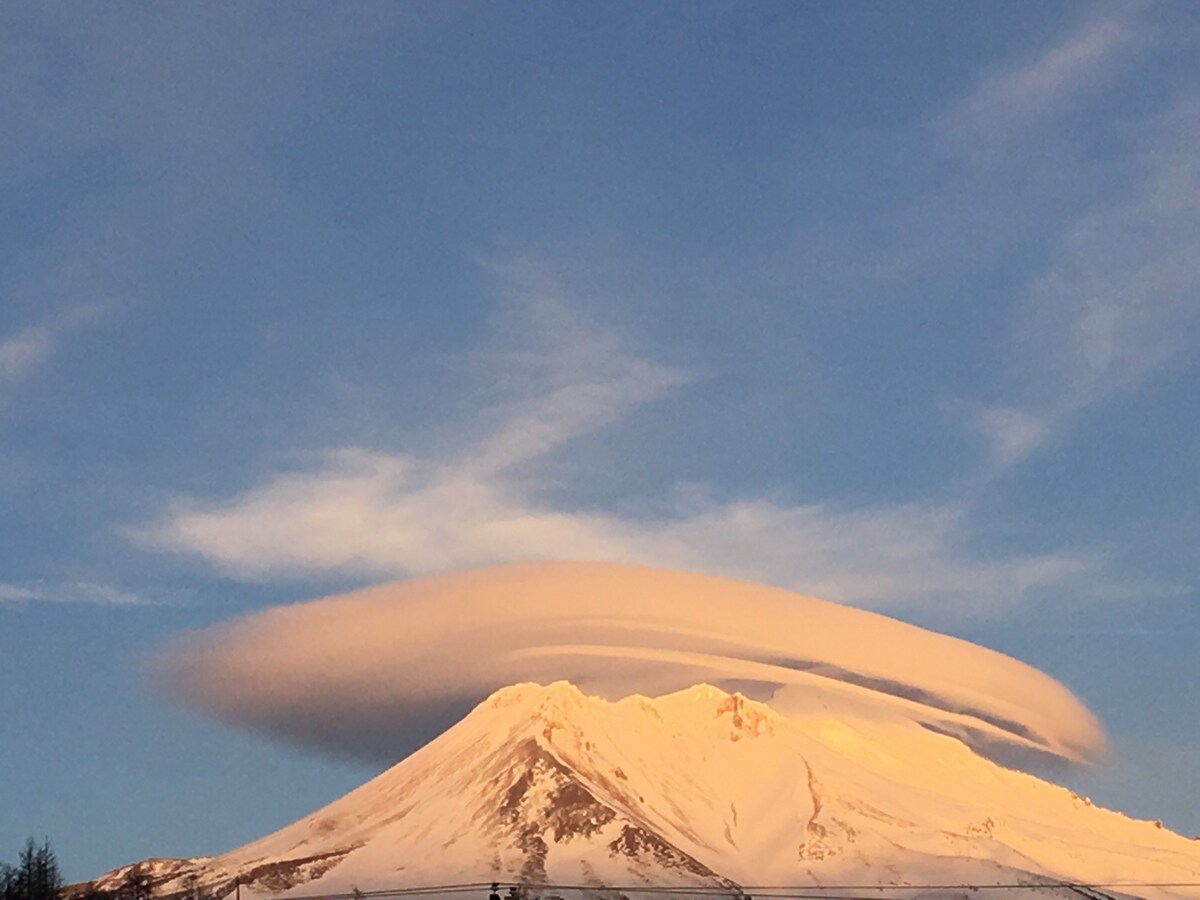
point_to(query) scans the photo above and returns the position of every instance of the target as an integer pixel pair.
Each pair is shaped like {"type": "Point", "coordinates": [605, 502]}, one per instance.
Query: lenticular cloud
{"type": "Point", "coordinates": [373, 672]}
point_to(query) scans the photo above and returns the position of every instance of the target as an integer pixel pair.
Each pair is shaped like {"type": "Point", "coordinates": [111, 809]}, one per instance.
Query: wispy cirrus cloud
{"type": "Point", "coordinates": [1113, 306]}
{"type": "Point", "coordinates": [552, 377]}
{"type": "Point", "coordinates": [1116, 305]}
{"type": "Point", "coordinates": [1119, 301]}
{"type": "Point", "coordinates": [70, 592]}
{"type": "Point", "coordinates": [1009, 435]}
{"type": "Point", "coordinates": [22, 354]}
{"type": "Point", "coordinates": [375, 513]}
{"type": "Point", "coordinates": [1011, 98]}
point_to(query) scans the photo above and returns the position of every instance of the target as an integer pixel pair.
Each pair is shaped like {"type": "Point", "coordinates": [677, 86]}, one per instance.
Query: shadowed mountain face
{"type": "Point", "coordinates": [700, 789]}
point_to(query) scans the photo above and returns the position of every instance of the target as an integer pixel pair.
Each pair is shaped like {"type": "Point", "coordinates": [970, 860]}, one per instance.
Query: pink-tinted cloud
{"type": "Point", "coordinates": [365, 672]}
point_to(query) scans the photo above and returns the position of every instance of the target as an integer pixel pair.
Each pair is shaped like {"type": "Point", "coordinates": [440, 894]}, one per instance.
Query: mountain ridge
{"type": "Point", "coordinates": [699, 788]}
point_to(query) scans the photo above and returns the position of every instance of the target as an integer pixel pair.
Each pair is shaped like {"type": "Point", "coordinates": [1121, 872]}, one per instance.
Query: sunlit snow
{"type": "Point", "coordinates": [701, 792]}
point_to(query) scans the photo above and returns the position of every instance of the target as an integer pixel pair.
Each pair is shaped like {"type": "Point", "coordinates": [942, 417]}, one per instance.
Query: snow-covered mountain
{"type": "Point", "coordinates": [702, 788]}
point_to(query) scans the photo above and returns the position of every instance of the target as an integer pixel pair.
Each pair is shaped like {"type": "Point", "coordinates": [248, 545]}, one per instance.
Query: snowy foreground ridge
{"type": "Point", "coordinates": [700, 788]}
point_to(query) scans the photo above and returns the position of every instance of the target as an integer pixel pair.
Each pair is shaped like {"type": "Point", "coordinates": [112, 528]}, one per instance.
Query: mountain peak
{"type": "Point", "coordinates": [705, 691]}
{"type": "Point", "coordinates": [532, 692]}
{"type": "Point", "coordinates": [702, 788]}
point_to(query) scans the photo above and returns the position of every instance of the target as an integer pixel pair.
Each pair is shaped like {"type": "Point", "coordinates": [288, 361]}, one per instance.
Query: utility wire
{"type": "Point", "coordinates": [773, 890]}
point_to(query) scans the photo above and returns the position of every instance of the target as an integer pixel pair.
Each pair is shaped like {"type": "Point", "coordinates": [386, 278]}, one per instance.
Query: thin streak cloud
{"type": "Point", "coordinates": [558, 376]}
{"type": "Point", "coordinates": [1009, 99]}
{"type": "Point", "coordinates": [71, 592]}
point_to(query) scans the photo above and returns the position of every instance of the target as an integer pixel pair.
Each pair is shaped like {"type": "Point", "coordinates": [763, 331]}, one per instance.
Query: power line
{"type": "Point", "coordinates": [777, 891]}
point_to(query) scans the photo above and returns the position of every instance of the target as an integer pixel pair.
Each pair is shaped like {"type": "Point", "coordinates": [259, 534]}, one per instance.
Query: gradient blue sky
{"type": "Point", "coordinates": [893, 304]}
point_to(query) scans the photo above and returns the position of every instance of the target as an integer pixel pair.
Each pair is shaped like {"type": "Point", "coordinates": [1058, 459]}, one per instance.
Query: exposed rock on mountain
{"type": "Point", "coordinates": [697, 788]}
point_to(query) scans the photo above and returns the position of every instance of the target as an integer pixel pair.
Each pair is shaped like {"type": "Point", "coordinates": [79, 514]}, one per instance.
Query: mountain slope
{"type": "Point", "coordinates": [703, 788]}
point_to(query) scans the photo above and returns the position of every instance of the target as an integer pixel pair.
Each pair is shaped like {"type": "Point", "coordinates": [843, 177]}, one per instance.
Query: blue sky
{"type": "Point", "coordinates": [892, 304]}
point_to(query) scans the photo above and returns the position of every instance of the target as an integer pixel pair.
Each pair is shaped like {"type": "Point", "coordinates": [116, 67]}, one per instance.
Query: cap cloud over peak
{"type": "Point", "coordinates": [369, 674]}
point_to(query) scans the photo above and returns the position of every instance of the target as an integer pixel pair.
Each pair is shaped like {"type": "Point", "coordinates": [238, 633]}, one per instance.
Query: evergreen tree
{"type": "Point", "coordinates": [8, 882]}
{"type": "Point", "coordinates": [35, 877]}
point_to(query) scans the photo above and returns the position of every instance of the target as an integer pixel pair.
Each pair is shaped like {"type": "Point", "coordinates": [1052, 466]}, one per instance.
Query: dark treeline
{"type": "Point", "coordinates": [34, 877]}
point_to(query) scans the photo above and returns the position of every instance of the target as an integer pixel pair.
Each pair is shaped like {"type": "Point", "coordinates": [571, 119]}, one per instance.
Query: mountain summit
{"type": "Point", "coordinates": [702, 788]}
